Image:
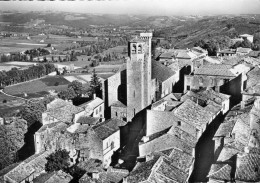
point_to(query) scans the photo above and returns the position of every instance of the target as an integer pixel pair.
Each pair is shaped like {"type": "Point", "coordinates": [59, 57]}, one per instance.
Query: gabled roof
{"type": "Point", "coordinates": [92, 104]}
{"type": "Point", "coordinates": [191, 112]}
{"type": "Point", "coordinates": [246, 170]}
{"type": "Point", "coordinates": [64, 113]}
{"type": "Point", "coordinates": [161, 72]}
{"type": "Point", "coordinates": [88, 120]}
{"type": "Point", "coordinates": [108, 127]}
{"type": "Point", "coordinates": [186, 55]}
{"type": "Point", "coordinates": [34, 164]}
{"type": "Point", "coordinates": [57, 177]}
{"type": "Point", "coordinates": [174, 137]}
{"type": "Point", "coordinates": [162, 167]}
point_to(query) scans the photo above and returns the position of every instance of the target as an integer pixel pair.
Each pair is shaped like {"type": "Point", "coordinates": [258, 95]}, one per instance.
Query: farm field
{"type": "Point", "coordinates": [37, 88]}
{"type": "Point", "coordinates": [9, 65]}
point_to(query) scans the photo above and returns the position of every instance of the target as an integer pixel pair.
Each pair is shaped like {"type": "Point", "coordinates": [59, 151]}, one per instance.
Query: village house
{"type": "Point", "coordinates": [28, 170]}
{"type": "Point", "coordinates": [94, 108]}
{"type": "Point", "coordinates": [243, 51]}
{"type": "Point", "coordinates": [247, 36]}
{"type": "Point", "coordinates": [237, 145]}
{"type": "Point", "coordinates": [170, 165]}
{"type": "Point", "coordinates": [222, 78]}
{"type": "Point", "coordinates": [57, 177]}
{"type": "Point", "coordinates": [62, 111]}
{"type": "Point", "coordinates": [208, 98]}
{"type": "Point", "coordinates": [226, 52]}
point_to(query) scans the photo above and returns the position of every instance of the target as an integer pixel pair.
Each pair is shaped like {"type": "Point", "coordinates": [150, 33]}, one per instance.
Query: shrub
{"type": "Point", "coordinates": [56, 83]}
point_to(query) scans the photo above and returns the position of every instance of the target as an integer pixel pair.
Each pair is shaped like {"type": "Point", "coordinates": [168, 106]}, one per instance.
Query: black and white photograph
{"type": "Point", "coordinates": [130, 91]}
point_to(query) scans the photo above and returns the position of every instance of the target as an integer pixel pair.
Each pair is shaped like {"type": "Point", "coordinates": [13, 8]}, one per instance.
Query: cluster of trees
{"type": "Point", "coordinates": [12, 139]}
{"type": "Point", "coordinates": [213, 44]}
{"type": "Point", "coordinates": [76, 89]}
{"type": "Point", "coordinates": [32, 112]}
{"type": "Point", "coordinates": [60, 160]}
{"type": "Point", "coordinates": [16, 76]}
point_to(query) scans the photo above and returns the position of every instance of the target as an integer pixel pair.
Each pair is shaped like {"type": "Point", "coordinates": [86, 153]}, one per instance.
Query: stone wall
{"type": "Point", "coordinates": [118, 113]}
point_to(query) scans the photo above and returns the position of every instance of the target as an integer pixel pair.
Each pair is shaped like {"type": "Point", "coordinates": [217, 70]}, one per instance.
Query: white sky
{"type": "Point", "coordinates": [161, 7]}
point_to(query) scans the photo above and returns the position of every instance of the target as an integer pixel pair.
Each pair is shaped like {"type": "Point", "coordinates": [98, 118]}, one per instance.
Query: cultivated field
{"type": "Point", "coordinates": [37, 88]}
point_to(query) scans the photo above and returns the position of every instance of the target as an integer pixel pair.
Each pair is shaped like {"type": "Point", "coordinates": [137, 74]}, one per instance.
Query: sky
{"type": "Point", "coordinates": [153, 7]}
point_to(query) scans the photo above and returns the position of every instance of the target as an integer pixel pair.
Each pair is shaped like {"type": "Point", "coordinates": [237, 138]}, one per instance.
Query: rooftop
{"type": "Point", "coordinates": [214, 70]}
{"type": "Point", "coordinates": [161, 72]}
{"type": "Point", "coordinates": [243, 50]}
{"type": "Point", "coordinates": [108, 127]}
{"type": "Point", "coordinates": [191, 112]}
{"type": "Point", "coordinates": [118, 104]}
{"type": "Point", "coordinates": [88, 120]}
{"type": "Point", "coordinates": [34, 164]}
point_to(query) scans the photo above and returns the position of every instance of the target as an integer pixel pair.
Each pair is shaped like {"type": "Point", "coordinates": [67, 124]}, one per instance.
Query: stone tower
{"type": "Point", "coordinates": [139, 74]}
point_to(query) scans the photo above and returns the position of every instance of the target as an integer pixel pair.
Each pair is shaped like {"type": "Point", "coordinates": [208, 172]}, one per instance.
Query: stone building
{"type": "Point", "coordinates": [138, 84]}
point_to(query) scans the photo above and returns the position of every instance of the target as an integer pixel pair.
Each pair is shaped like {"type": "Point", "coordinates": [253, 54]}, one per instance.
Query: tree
{"type": "Point", "coordinates": [77, 87]}
{"type": "Point", "coordinates": [12, 139]}
{"type": "Point", "coordinates": [95, 83]}
{"type": "Point", "coordinates": [59, 160]}
{"type": "Point", "coordinates": [32, 112]}
{"type": "Point", "coordinates": [67, 94]}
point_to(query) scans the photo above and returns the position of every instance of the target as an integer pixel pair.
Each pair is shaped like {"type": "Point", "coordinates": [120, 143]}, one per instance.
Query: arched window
{"type": "Point", "coordinates": [133, 50]}
{"type": "Point", "coordinates": [140, 48]}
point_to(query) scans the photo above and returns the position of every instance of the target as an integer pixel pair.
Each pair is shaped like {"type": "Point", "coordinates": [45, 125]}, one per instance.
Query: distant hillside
{"type": "Point", "coordinates": [190, 32]}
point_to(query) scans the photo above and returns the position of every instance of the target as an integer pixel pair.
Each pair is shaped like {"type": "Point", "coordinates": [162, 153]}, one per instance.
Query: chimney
{"type": "Point", "coordinates": [94, 96]}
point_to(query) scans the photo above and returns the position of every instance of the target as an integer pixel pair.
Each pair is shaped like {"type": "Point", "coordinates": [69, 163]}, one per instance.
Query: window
{"type": "Point", "coordinates": [96, 111]}
{"type": "Point", "coordinates": [112, 145]}
{"type": "Point", "coordinates": [188, 87]}
{"type": "Point", "coordinates": [256, 169]}
{"type": "Point", "coordinates": [179, 123]}
{"type": "Point", "coordinates": [140, 49]}
{"type": "Point", "coordinates": [133, 49]}
{"type": "Point", "coordinates": [115, 113]}
{"type": "Point", "coordinates": [100, 108]}
{"type": "Point", "coordinates": [134, 94]}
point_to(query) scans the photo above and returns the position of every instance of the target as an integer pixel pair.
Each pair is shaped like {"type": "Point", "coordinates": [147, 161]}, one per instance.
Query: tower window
{"type": "Point", "coordinates": [133, 50]}
{"type": "Point", "coordinates": [140, 49]}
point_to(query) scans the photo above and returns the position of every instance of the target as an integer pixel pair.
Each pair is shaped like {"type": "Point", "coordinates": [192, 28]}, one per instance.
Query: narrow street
{"type": "Point", "coordinates": [204, 152]}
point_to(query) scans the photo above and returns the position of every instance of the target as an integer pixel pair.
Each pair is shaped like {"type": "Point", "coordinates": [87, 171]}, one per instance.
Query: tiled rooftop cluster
{"type": "Point", "coordinates": [239, 157]}
{"type": "Point", "coordinates": [170, 165]}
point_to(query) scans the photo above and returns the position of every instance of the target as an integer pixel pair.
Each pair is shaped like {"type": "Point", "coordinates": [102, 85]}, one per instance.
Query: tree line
{"type": "Point", "coordinates": [15, 75]}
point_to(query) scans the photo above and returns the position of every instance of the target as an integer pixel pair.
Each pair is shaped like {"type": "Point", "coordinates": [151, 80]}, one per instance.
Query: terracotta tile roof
{"type": "Point", "coordinates": [167, 55]}
{"type": "Point", "coordinates": [56, 103]}
{"type": "Point", "coordinates": [227, 51]}
{"type": "Point", "coordinates": [228, 152]}
{"type": "Point", "coordinates": [54, 126]}
{"type": "Point", "coordinates": [163, 168]}
{"type": "Point", "coordinates": [34, 164]}
{"type": "Point", "coordinates": [247, 169]}
{"type": "Point", "coordinates": [161, 72]}
{"type": "Point", "coordinates": [59, 177]}
{"type": "Point", "coordinates": [222, 174]}
{"type": "Point", "coordinates": [113, 175]}
{"type": "Point", "coordinates": [64, 113]}
{"type": "Point", "coordinates": [92, 104]}
{"type": "Point", "coordinates": [88, 120]}
{"type": "Point", "coordinates": [213, 71]}
{"type": "Point", "coordinates": [186, 55]}
{"type": "Point", "coordinates": [191, 112]}
{"type": "Point", "coordinates": [108, 127]}
{"type": "Point", "coordinates": [254, 54]}
{"type": "Point", "coordinates": [199, 49]}
{"type": "Point", "coordinates": [225, 128]}
{"type": "Point", "coordinates": [174, 137]}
